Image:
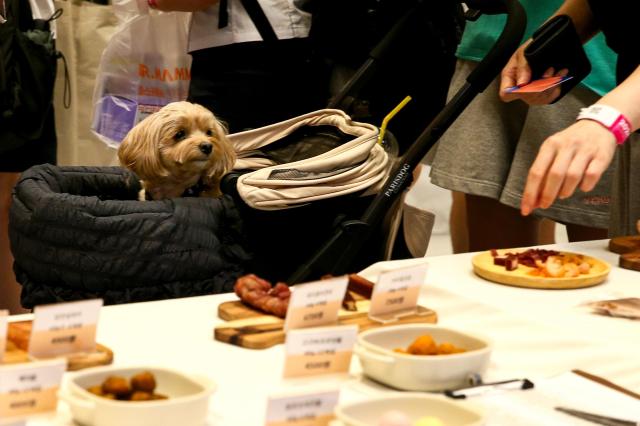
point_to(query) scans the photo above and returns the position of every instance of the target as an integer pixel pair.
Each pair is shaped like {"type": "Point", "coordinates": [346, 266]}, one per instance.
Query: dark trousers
{"type": "Point", "coordinates": [40, 151]}
{"type": "Point", "coordinates": [250, 85]}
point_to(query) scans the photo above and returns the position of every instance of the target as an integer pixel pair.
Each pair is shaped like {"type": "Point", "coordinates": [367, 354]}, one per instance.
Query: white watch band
{"type": "Point", "coordinates": [609, 117]}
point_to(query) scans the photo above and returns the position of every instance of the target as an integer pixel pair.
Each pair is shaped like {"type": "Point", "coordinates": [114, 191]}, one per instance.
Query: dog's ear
{"type": "Point", "coordinates": [225, 155]}
{"type": "Point", "coordinates": [139, 150]}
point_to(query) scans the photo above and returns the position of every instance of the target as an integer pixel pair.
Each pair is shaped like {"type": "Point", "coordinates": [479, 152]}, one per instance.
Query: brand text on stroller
{"type": "Point", "coordinates": [398, 180]}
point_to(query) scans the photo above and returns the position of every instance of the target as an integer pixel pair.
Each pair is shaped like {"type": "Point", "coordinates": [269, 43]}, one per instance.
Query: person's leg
{"type": "Point", "coordinates": [585, 233]}
{"type": "Point", "coordinates": [474, 157]}
{"type": "Point", "coordinates": [494, 225]}
{"type": "Point", "coordinates": [547, 231]}
{"type": "Point", "coordinates": [458, 223]}
{"type": "Point", "coordinates": [9, 288]}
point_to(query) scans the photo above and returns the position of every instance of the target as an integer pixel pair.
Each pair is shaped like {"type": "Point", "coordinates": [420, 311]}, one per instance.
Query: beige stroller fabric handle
{"type": "Point", "coordinates": [359, 164]}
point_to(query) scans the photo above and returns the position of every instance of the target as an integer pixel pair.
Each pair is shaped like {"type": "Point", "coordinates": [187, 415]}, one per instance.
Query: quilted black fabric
{"type": "Point", "coordinates": [79, 232]}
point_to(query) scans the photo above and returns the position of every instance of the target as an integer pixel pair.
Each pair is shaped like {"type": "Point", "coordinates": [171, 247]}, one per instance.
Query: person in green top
{"type": "Point", "coordinates": [485, 156]}
{"type": "Point", "coordinates": [480, 36]}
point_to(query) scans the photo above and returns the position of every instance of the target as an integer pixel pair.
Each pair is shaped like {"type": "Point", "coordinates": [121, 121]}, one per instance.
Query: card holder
{"type": "Point", "coordinates": [557, 44]}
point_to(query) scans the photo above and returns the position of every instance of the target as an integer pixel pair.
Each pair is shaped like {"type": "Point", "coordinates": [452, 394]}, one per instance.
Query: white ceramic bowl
{"type": "Point", "coordinates": [420, 372]}
{"type": "Point", "coordinates": [414, 406]}
{"type": "Point", "coordinates": [187, 405]}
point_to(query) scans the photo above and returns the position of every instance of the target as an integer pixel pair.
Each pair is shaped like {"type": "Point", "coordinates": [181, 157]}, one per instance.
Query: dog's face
{"type": "Point", "coordinates": [176, 147]}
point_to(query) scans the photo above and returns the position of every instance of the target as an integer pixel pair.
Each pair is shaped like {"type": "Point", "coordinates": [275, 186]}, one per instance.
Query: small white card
{"type": "Point", "coordinates": [310, 409]}
{"type": "Point", "coordinates": [316, 303]}
{"type": "Point", "coordinates": [314, 351]}
{"type": "Point", "coordinates": [64, 328]}
{"type": "Point", "coordinates": [397, 291]}
{"type": "Point", "coordinates": [4, 315]}
{"type": "Point", "coordinates": [30, 388]}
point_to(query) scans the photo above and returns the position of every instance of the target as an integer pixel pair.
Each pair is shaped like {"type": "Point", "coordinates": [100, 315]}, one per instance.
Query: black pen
{"type": "Point", "coordinates": [515, 384]}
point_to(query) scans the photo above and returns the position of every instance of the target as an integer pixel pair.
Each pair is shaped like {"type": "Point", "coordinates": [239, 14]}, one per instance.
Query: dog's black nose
{"type": "Point", "coordinates": [206, 147]}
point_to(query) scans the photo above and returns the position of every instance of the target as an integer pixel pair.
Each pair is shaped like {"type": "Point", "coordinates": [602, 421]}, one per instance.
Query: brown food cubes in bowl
{"type": "Point", "coordinates": [139, 388]}
{"type": "Point", "coordinates": [143, 382]}
{"type": "Point", "coordinates": [96, 390]}
{"type": "Point", "coordinates": [141, 396]}
{"type": "Point", "coordinates": [423, 345]}
{"type": "Point", "coordinates": [119, 386]}
{"type": "Point", "coordinates": [426, 345]}
{"type": "Point", "coordinates": [447, 348]}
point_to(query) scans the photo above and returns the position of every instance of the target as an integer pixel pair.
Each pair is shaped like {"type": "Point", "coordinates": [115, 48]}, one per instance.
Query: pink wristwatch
{"type": "Point", "coordinates": [610, 118]}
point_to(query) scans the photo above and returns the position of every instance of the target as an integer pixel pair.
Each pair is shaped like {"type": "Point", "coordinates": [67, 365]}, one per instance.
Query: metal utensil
{"type": "Point", "coordinates": [596, 418]}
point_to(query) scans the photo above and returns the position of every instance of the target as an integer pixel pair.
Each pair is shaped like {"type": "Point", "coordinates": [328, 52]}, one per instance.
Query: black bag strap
{"type": "Point", "coordinates": [257, 15]}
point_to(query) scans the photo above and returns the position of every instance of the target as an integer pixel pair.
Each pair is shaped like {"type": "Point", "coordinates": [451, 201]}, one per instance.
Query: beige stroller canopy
{"type": "Point", "coordinates": [315, 156]}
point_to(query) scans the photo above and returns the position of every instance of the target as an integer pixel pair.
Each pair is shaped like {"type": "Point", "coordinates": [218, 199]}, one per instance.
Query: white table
{"type": "Point", "coordinates": [537, 333]}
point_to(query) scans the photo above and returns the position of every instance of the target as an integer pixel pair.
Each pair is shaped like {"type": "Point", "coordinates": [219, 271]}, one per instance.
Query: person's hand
{"type": "Point", "coordinates": [576, 156]}
{"type": "Point", "coordinates": [517, 72]}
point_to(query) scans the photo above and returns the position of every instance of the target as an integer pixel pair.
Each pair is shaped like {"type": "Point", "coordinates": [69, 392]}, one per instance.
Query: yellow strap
{"type": "Point", "coordinates": [389, 116]}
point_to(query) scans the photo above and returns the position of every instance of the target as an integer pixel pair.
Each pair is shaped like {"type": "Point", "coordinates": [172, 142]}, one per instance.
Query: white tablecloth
{"type": "Point", "coordinates": [537, 333]}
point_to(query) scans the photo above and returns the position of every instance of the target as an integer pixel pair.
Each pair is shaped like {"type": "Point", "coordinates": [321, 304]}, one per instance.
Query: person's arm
{"type": "Point", "coordinates": [517, 70]}
{"type": "Point", "coordinates": [182, 5]}
{"type": "Point", "coordinates": [578, 155]}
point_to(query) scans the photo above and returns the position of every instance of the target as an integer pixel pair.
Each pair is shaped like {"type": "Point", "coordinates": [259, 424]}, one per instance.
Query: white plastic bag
{"type": "Point", "coordinates": [144, 66]}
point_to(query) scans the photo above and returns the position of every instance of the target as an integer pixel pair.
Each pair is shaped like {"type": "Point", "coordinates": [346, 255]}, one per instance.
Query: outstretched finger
{"type": "Point", "coordinates": [535, 179]}
{"type": "Point", "coordinates": [555, 177]}
{"type": "Point", "coordinates": [574, 175]}
{"type": "Point", "coordinates": [592, 174]}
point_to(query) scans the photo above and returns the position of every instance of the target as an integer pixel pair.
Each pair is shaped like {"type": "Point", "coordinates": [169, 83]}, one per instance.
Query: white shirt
{"type": "Point", "coordinates": [287, 22]}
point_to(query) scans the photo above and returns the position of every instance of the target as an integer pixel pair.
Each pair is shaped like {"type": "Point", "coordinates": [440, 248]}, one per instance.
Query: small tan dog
{"type": "Point", "coordinates": [180, 150]}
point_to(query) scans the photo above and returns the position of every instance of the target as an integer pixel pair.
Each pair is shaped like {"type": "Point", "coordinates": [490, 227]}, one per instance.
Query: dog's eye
{"type": "Point", "coordinates": [209, 132]}
{"type": "Point", "coordinates": [180, 135]}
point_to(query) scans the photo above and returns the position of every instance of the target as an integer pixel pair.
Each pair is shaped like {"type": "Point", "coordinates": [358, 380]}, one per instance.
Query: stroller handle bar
{"type": "Point", "coordinates": [477, 82]}
{"type": "Point", "coordinates": [363, 74]}
{"type": "Point", "coordinates": [486, 70]}
{"type": "Point", "coordinates": [337, 254]}
{"type": "Point", "coordinates": [506, 44]}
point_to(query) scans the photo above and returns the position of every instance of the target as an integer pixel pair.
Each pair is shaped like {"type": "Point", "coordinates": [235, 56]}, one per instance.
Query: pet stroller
{"type": "Point", "coordinates": [79, 232]}
{"type": "Point", "coordinates": [365, 227]}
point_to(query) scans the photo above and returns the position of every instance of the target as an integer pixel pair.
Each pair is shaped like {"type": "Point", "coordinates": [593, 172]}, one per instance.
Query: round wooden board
{"type": "Point", "coordinates": [630, 261]}
{"type": "Point", "coordinates": [484, 267]}
{"type": "Point", "coordinates": [622, 245]}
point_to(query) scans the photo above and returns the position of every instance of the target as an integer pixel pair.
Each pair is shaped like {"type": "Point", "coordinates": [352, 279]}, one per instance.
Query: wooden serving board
{"type": "Point", "coordinates": [630, 261]}
{"type": "Point", "coordinates": [18, 345]}
{"type": "Point", "coordinates": [629, 250]}
{"type": "Point", "coordinates": [249, 328]}
{"type": "Point", "coordinates": [14, 355]}
{"type": "Point", "coordinates": [484, 267]}
{"type": "Point", "coordinates": [236, 310]}
{"type": "Point", "coordinates": [622, 245]}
